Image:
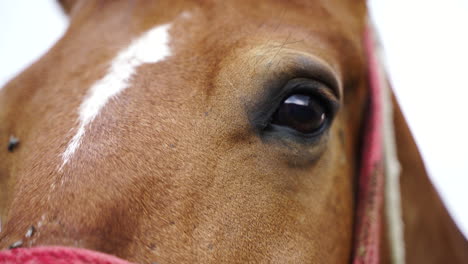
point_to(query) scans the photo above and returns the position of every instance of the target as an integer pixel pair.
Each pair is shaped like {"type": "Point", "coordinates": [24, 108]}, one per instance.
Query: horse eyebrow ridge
{"type": "Point", "coordinates": [151, 47]}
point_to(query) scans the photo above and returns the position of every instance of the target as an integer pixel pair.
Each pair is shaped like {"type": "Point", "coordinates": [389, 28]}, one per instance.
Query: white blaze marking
{"type": "Point", "coordinates": [151, 47]}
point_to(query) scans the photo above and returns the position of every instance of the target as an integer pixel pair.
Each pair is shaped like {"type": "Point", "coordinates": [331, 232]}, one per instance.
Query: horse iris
{"type": "Point", "coordinates": [302, 113]}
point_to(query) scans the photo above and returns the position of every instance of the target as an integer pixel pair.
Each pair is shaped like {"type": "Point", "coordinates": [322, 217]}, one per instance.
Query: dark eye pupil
{"type": "Point", "coordinates": [302, 113]}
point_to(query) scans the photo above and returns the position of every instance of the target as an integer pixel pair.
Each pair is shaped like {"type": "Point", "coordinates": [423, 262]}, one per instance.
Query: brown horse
{"type": "Point", "coordinates": [204, 131]}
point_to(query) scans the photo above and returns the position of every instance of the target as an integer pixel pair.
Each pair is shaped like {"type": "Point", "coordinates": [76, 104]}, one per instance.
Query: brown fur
{"type": "Point", "coordinates": [171, 170]}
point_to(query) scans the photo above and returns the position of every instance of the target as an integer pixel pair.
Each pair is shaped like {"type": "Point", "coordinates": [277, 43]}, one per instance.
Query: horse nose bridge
{"type": "Point", "coordinates": [102, 227]}
{"type": "Point", "coordinates": [72, 213]}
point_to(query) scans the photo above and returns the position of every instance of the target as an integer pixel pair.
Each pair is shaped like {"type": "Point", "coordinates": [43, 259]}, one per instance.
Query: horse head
{"type": "Point", "coordinates": [204, 131]}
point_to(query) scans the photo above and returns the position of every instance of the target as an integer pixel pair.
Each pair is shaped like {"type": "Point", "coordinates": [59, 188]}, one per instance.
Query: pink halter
{"type": "Point", "coordinates": [371, 180]}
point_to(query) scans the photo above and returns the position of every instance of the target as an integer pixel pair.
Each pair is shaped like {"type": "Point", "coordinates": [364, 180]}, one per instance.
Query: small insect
{"type": "Point", "coordinates": [30, 232]}
{"type": "Point", "coordinates": [13, 143]}
{"type": "Point", "coordinates": [17, 244]}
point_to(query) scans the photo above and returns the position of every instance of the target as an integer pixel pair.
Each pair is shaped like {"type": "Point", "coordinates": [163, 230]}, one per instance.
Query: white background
{"type": "Point", "coordinates": [426, 43]}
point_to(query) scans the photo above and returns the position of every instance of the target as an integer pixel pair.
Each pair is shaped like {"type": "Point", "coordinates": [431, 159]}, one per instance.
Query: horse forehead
{"type": "Point", "coordinates": [150, 47]}
{"type": "Point", "coordinates": [160, 40]}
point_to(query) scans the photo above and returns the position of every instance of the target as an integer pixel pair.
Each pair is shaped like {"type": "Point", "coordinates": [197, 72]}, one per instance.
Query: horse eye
{"type": "Point", "coordinates": [301, 112]}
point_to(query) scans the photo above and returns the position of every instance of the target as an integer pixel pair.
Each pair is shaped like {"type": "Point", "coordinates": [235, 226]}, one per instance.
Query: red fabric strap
{"type": "Point", "coordinates": [57, 255]}
{"type": "Point", "coordinates": [371, 180]}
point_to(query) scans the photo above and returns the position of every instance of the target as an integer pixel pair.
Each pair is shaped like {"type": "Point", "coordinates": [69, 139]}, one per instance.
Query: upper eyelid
{"type": "Point", "coordinates": [273, 78]}
{"type": "Point", "coordinates": [312, 87]}
{"type": "Point", "coordinates": [312, 67]}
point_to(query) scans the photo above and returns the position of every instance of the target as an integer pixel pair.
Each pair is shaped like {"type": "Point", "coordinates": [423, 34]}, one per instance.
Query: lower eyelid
{"type": "Point", "coordinates": [294, 140]}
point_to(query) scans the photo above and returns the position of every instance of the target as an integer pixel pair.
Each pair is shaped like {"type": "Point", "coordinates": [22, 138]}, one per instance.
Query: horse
{"type": "Point", "coordinates": [207, 131]}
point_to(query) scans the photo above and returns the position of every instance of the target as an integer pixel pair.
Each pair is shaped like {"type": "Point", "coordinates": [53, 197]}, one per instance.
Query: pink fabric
{"type": "Point", "coordinates": [371, 181]}
{"type": "Point", "coordinates": [56, 255]}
